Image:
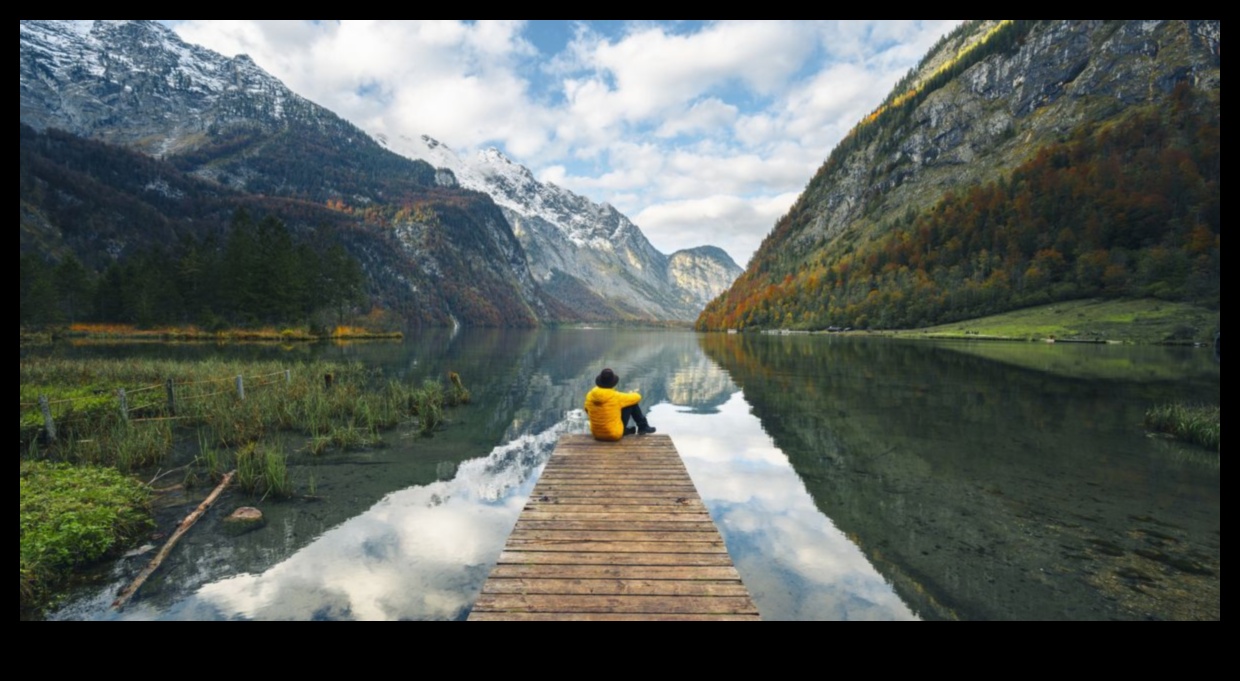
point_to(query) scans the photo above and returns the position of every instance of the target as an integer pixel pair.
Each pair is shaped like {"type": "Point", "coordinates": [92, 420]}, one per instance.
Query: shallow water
{"type": "Point", "coordinates": [851, 478]}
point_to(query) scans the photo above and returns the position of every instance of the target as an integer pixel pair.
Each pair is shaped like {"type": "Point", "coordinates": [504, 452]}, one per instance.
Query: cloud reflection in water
{"type": "Point", "coordinates": [796, 563]}
{"type": "Point", "coordinates": [420, 553]}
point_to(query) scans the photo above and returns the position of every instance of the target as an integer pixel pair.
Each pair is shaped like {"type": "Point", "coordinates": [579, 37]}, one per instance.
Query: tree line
{"type": "Point", "coordinates": [257, 274]}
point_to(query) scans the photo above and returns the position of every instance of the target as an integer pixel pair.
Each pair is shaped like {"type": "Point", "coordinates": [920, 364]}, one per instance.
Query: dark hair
{"type": "Point", "coordinates": [606, 379]}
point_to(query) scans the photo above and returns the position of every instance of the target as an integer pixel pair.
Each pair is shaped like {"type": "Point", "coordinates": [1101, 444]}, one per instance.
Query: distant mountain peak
{"type": "Point", "coordinates": [573, 242]}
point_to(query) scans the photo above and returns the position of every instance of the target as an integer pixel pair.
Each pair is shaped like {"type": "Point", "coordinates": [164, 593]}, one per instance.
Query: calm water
{"type": "Point", "coordinates": [852, 479]}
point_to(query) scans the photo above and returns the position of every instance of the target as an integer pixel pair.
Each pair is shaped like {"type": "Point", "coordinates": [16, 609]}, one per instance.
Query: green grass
{"type": "Point", "coordinates": [79, 510]}
{"type": "Point", "coordinates": [90, 428]}
{"type": "Point", "coordinates": [72, 516]}
{"type": "Point", "coordinates": [428, 406]}
{"type": "Point", "coordinates": [1198, 424]}
{"type": "Point", "coordinates": [1145, 321]}
{"type": "Point", "coordinates": [262, 470]}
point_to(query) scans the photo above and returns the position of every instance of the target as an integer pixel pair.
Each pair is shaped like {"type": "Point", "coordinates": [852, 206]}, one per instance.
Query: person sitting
{"type": "Point", "coordinates": [610, 409]}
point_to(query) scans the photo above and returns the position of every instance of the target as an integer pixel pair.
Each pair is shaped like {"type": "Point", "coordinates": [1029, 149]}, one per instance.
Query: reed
{"type": "Point", "coordinates": [216, 461]}
{"type": "Point", "coordinates": [349, 411]}
{"type": "Point", "coordinates": [262, 470]}
{"type": "Point", "coordinates": [457, 392]}
{"type": "Point", "coordinates": [1198, 424]}
{"type": "Point", "coordinates": [428, 406]}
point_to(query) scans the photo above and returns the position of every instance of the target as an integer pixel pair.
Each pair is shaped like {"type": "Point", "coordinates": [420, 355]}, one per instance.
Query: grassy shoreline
{"type": "Point", "coordinates": [1199, 424]}
{"type": "Point", "coordinates": [114, 419]}
{"type": "Point", "coordinates": [1102, 321]}
{"type": "Point", "coordinates": [195, 333]}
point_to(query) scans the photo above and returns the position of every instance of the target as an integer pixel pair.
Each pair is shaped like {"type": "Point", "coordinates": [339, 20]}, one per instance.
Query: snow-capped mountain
{"type": "Point", "coordinates": [137, 84]}
{"type": "Point", "coordinates": [529, 253]}
{"type": "Point", "coordinates": [585, 252]}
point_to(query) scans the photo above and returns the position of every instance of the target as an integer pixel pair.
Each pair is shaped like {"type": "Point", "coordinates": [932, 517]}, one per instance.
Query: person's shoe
{"type": "Point", "coordinates": [630, 430]}
{"type": "Point", "coordinates": [645, 430]}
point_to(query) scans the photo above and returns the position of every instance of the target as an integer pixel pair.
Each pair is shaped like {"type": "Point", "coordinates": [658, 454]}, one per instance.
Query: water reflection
{"type": "Point", "coordinates": [795, 562]}
{"type": "Point", "coordinates": [850, 479]}
{"type": "Point", "coordinates": [419, 553]}
{"type": "Point", "coordinates": [991, 490]}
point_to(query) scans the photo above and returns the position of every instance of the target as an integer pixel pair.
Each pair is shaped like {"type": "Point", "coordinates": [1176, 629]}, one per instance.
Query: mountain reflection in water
{"type": "Point", "coordinates": [851, 479]}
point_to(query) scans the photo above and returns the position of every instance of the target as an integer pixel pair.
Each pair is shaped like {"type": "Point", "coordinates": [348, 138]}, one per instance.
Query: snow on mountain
{"type": "Point", "coordinates": [73, 77]}
{"type": "Point", "coordinates": [585, 252]}
{"type": "Point", "coordinates": [137, 84]}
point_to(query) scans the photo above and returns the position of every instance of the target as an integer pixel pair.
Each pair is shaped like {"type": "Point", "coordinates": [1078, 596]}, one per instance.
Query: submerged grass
{"type": "Point", "coordinates": [1198, 424]}
{"type": "Point", "coordinates": [428, 406]}
{"type": "Point", "coordinates": [262, 470]}
{"type": "Point", "coordinates": [342, 404]}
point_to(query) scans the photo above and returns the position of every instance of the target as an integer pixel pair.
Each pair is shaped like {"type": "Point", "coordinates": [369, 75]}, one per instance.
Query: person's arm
{"type": "Point", "coordinates": [629, 399]}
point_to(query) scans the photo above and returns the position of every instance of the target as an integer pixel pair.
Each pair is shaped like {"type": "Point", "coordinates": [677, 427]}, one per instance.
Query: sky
{"type": "Point", "coordinates": [701, 132]}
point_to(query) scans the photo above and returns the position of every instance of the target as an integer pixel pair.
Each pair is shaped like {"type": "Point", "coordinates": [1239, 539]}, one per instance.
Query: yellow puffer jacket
{"type": "Point", "coordinates": [604, 405]}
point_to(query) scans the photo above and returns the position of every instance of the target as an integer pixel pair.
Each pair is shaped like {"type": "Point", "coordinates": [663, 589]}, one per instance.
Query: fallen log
{"type": "Point", "coordinates": [187, 523]}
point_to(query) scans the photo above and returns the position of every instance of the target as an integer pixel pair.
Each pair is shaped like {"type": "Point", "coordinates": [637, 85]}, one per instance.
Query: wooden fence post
{"type": "Point", "coordinates": [124, 404]}
{"type": "Point", "coordinates": [49, 426]}
{"type": "Point", "coordinates": [172, 398]}
{"type": "Point", "coordinates": [288, 377]}
{"type": "Point", "coordinates": [240, 388]}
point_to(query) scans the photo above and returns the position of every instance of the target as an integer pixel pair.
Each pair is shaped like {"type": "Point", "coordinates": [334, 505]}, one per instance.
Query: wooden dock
{"type": "Point", "coordinates": [614, 531]}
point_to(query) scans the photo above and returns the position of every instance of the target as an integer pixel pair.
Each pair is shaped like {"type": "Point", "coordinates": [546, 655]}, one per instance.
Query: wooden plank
{"type": "Point", "coordinates": [594, 493]}
{"type": "Point", "coordinates": [603, 525]}
{"type": "Point", "coordinates": [699, 605]}
{"type": "Point", "coordinates": [603, 558]}
{"type": "Point", "coordinates": [602, 617]}
{"type": "Point", "coordinates": [616, 517]}
{"type": "Point", "coordinates": [616, 587]}
{"type": "Point", "coordinates": [620, 534]}
{"type": "Point", "coordinates": [618, 546]}
{"type": "Point", "coordinates": [679, 572]}
{"type": "Point", "coordinates": [669, 508]}
{"type": "Point", "coordinates": [614, 531]}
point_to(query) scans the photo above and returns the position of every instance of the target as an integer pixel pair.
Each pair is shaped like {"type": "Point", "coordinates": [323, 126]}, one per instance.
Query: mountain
{"type": "Point", "coordinates": [1021, 162]}
{"type": "Point", "coordinates": [587, 254]}
{"type": "Point", "coordinates": [180, 137]}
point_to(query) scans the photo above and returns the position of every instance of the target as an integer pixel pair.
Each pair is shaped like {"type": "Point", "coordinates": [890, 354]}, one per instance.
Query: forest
{"type": "Point", "coordinates": [257, 274]}
{"type": "Point", "coordinates": [1122, 209]}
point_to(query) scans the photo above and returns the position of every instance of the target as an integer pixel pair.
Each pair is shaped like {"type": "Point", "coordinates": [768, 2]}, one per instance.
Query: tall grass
{"type": "Point", "coordinates": [349, 411]}
{"type": "Point", "coordinates": [262, 470]}
{"type": "Point", "coordinates": [1199, 424]}
{"type": "Point", "coordinates": [428, 406]}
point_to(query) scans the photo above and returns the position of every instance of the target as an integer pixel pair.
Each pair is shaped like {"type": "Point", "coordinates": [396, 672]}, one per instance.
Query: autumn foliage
{"type": "Point", "coordinates": [1121, 209]}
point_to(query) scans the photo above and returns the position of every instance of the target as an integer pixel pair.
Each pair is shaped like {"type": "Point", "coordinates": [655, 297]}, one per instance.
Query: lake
{"type": "Point", "coordinates": [852, 478]}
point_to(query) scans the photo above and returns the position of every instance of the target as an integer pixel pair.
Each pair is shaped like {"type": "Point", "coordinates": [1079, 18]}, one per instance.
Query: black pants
{"type": "Point", "coordinates": [634, 412]}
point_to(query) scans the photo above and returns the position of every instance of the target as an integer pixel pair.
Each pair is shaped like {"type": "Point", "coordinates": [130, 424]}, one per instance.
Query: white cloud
{"type": "Point", "coordinates": [707, 116]}
{"type": "Point", "coordinates": [455, 81]}
{"type": "Point", "coordinates": [730, 222]}
{"type": "Point", "coordinates": [701, 133]}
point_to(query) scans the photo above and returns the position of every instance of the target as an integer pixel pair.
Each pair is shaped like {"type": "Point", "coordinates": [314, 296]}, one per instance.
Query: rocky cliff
{"type": "Point", "coordinates": [998, 118]}
{"type": "Point", "coordinates": [588, 254]}
{"type": "Point", "coordinates": [509, 251]}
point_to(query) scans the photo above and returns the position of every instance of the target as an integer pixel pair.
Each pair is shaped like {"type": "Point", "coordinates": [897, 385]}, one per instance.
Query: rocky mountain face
{"type": "Point", "coordinates": [998, 113]}
{"type": "Point", "coordinates": [136, 85]}
{"type": "Point", "coordinates": [589, 255]}
{"type": "Point", "coordinates": [433, 251]}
